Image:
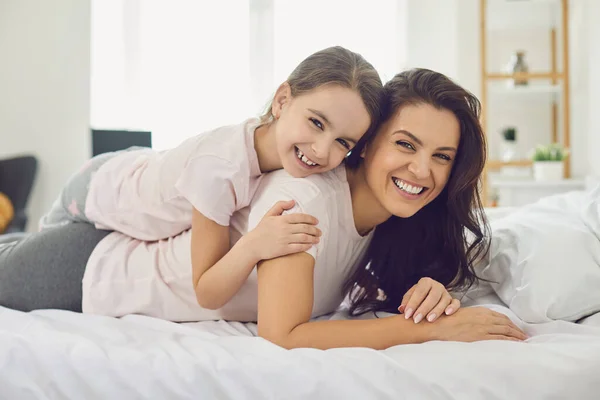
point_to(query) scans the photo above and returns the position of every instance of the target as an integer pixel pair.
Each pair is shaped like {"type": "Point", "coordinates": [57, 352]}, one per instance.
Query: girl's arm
{"type": "Point", "coordinates": [285, 302]}
{"type": "Point", "coordinates": [219, 272]}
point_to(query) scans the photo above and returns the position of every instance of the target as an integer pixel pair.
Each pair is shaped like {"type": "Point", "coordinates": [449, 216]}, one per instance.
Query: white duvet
{"type": "Point", "coordinates": [62, 355]}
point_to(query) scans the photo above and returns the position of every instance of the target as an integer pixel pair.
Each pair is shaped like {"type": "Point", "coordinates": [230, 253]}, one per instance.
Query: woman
{"type": "Point", "coordinates": [416, 181]}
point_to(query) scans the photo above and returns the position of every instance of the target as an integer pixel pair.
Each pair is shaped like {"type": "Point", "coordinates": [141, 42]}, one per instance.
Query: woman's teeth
{"type": "Point", "coordinates": [304, 159]}
{"type": "Point", "coordinates": [407, 188]}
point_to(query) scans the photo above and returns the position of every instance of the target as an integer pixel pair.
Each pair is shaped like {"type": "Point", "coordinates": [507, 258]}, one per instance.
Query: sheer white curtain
{"type": "Point", "coordinates": [367, 27]}
{"type": "Point", "coordinates": [180, 67]}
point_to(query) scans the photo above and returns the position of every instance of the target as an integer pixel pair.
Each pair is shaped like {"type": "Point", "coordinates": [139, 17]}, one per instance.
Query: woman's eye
{"type": "Point", "coordinates": [316, 123]}
{"type": "Point", "coordinates": [444, 157]}
{"type": "Point", "coordinates": [344, 143]}
{"type": "Point", "coordinates": [405, 144]}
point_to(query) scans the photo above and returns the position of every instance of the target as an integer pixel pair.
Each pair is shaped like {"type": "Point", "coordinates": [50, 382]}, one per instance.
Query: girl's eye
{"type": "Point", "coordinates": [344, 143]}
{"type": "Point", "coordinates": [316, 123]}
{"type": "Point", "coordinates": [444, 157]}
{"type": "Point", "coordinates": [405, 144]}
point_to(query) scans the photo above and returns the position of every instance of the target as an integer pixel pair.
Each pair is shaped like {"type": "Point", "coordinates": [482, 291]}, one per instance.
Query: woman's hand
{"type": "Point", "coordinates": [475, 323]}
{"type": "Point", "coordinates": [428, 299]}
{"type": "Point", "coordinates": [278, 235]}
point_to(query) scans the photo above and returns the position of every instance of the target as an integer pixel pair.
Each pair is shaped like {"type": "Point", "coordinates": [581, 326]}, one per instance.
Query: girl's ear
{"type": "Point", "coordinates": [282, 96]}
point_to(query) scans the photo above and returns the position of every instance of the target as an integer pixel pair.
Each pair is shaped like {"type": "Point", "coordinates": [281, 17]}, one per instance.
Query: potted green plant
{"type": "Point", "coordinates": [548, 162]}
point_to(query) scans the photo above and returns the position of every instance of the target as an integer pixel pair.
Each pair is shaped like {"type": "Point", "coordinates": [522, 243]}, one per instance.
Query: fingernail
{"type": "Point", "coordinates": [449, 311]}
{"type": "Point", "coordinates": [431, 317]}
{"type": "Point", "coordinates": [401, 308]}
{"type": "Point", "coordinates": [418, 318]}
{"type": "Point", "coordinates": [408, 313]}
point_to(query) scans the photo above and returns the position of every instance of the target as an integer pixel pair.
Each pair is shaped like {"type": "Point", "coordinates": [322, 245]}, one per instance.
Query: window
{"type": "Point", "coordinates": [181, 67]}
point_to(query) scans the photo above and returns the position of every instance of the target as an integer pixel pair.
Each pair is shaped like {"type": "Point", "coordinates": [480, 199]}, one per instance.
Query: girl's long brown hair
{"type": "Point", "coordinates": [337, 66]}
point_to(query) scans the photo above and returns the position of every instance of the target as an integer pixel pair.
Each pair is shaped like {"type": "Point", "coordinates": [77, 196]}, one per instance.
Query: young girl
{"type": "Point", "coordinates": [315, 118]}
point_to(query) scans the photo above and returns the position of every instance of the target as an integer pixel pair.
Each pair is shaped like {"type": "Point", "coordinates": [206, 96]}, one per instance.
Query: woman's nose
{"type": "Point", "coordinates": [419, 167]}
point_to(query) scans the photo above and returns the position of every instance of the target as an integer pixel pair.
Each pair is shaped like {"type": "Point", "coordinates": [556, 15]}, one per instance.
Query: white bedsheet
{"type": "Point", "coordinates": [61, 355]}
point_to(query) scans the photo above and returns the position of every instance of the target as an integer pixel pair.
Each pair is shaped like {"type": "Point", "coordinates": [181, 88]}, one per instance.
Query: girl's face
{"type": "Point", "coordinates": [409, 161]}
{"type": "Point", "coordinates": [315, 130]}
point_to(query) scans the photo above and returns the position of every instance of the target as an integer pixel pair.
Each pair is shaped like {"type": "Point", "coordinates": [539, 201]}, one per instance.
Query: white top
{"type": "Point", "coordinates": [128, 276]}
{"type": "Point", "coordinates": [149, 195]}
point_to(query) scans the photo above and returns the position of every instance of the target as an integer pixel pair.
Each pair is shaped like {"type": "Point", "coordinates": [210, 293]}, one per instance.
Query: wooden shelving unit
{"type": "Point", "coordinates": [557, 83]}
{"type": "Point", "coordinates": [497, 164]}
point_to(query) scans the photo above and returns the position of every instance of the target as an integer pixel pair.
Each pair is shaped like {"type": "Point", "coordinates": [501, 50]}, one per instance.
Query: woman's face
{"type": "Point", "coordinates": [316, 130]}
{"type": "Point", "coordinates": [409, 161]}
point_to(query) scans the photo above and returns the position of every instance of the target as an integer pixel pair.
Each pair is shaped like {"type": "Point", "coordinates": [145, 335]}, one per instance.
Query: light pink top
{"type": "Point", "coordinates": [149, 195]}
{"type": "Point", "coordinates": [128, 276]}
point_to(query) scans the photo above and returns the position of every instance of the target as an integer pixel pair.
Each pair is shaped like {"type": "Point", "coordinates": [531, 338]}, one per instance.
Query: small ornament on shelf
{"type": "Point", "coordinates": [495, 197]}
{"type": "Point", "coordinates": [517, 64]}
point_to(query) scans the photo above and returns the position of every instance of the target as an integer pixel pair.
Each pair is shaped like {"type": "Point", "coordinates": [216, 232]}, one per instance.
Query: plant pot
{"type": "Point", "coordinates": [548, 170]}
{"type": "Point", "coordinates": [509, 150]}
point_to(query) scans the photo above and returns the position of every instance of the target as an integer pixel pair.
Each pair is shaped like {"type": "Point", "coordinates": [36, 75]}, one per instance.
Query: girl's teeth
{"type": "Point", "coordinates": [305, 160]}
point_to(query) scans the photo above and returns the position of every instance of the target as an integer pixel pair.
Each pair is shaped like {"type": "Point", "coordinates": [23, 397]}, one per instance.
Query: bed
{"type": "Point", "coordinates": [51, 354]}
{"type": "Point", "coordinates": [54, 354]}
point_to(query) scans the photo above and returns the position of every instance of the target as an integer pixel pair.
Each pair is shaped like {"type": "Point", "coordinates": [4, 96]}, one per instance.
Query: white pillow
{"type": "Point", "coordinates": [545, 258]}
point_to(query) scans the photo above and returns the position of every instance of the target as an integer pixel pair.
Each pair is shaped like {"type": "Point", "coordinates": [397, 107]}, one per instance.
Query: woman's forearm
{"type": "Point", "coordinates": [223, 280]}
{"type": "Point", "coordinates": [285, 304]}
{"type": "Point", "coordinates": [379, 333]}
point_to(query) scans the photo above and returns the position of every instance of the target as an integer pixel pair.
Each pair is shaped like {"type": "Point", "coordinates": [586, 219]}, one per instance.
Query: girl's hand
{"type": "Point", "coordinates": [475, 323]}
{"type": "Point", "coordinates": [428, 299]}
{"type": "Point", "coordinates": [278, 235]}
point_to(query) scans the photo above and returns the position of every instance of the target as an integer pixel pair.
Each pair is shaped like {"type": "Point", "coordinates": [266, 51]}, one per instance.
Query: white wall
{"type": "Point", "coordinates": [581, 38]}
{"type": "Point", "coordinates": [594, 87]}
{"type": "Point", "coordinates": [44, 90]}
{"type": "Point", "coordinates": [432, 35]}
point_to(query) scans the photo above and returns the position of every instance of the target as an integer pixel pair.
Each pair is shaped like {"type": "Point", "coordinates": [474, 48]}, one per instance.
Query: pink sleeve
{"type": "Point", "coordinates": [208, 183]}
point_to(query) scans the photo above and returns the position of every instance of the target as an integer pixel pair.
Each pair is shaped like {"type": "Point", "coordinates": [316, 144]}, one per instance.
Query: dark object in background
{"type": "Point", "coordinates": [17, 176]}
{"type": "Point", "coordinates": [105, 141]}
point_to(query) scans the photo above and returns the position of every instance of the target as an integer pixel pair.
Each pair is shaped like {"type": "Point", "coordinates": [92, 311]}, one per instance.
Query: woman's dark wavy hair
{"type": "Point", "coordinates": [445, 238]}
